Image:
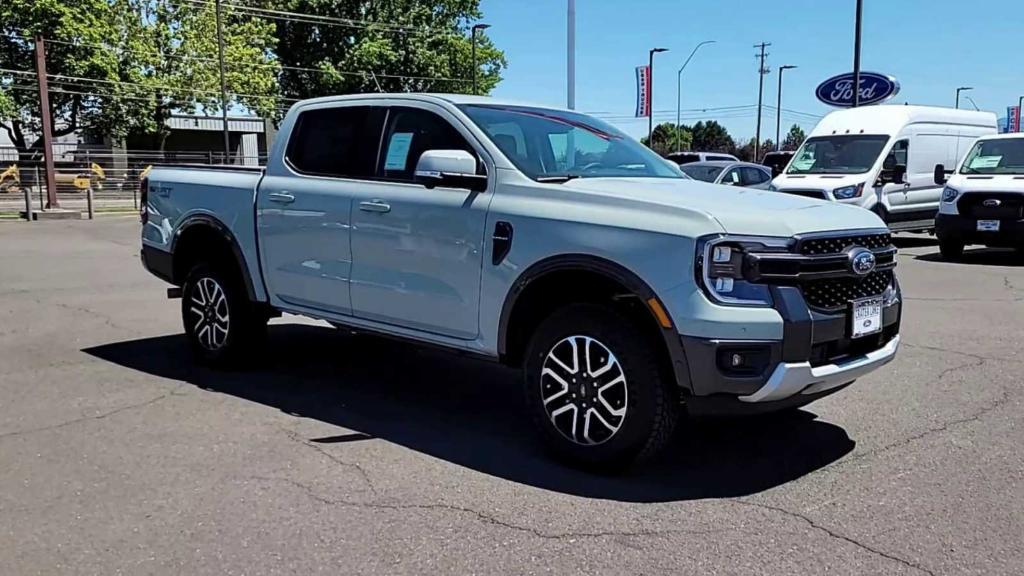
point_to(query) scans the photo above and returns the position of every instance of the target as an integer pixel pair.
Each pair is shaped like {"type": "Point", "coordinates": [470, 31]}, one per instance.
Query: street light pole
{"type": "Point", "coordinates": [778, 109]}
{"type": "Point", "coordinates": [856, 54]}
{"type": "Point", "coordinates": [1020, 114]}
{"type": "Point", "coordinates": [650, 95]}
{"type": "Point", "coordinates": [958, 91]}
{"type": "Point", "coordinates": [679, 93]}
{"type": "Point", "coordinates": [476, 28]}
{"type": "Point", "coordinates": [223, 82]}
{"type": "Point", "coordinates": [570, 57]}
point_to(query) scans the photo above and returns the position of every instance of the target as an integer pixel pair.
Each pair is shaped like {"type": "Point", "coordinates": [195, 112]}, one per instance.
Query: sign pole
{"type": "Point", "coordinates": [856, 54]}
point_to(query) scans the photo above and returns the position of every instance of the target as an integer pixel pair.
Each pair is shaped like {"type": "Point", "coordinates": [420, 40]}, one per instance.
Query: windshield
{"type": "Point", "coordinates": [995, 157]}
{"type": "Point", "coordinates": [847, 154]}
{"type": "Point", "coordinates": [702, 173]}
{"type": "Point", "coordinates": [546, 143]}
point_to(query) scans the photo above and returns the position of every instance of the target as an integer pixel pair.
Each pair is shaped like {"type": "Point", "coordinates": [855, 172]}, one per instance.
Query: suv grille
{"type": "Point", "coordinates": [833, 294]}
{"type": "Point", "coordinates": [839, 244]}
{"type": "Point", "coordinates": [816, 194]}
{"type": "Point", "coordinates": [1011, 205]}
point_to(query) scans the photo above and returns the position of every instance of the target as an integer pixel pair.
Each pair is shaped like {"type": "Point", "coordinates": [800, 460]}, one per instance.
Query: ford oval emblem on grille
{"type": "Point", "coordinates": [991, 203]}
{"type": "Point", "coordinates": [862, 261]}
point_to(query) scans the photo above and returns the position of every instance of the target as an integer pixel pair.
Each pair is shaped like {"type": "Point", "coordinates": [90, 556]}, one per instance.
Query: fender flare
{"type": "Point", "coordinates": [208, 221]}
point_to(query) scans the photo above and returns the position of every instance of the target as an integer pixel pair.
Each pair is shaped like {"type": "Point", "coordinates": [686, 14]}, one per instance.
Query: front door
{"type": "Point", "coordinates": [896, 193]}
{"type": "Point", "coordinates": [417, 252]}
{"type": "Point", "coordinates": [304, 216]}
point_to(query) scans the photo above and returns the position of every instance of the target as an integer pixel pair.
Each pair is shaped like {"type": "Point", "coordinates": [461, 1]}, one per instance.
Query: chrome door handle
{"type": "Point", "coordinates": [375, 206]}
{"type": "Point", "coordinates": [281, 197]}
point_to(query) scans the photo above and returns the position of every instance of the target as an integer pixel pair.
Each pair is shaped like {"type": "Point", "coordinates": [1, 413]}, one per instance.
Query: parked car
{"type": "Point", "coordinates": [682, 158]}
{"type": "Point", "coordinates": [882, 158]}
{"type": "Point", "coordinates": [540, 238]}
{"type": "Point", "coordinates": [729, 173]}
{"type": "Point", "coordinates": [983, 200]}
{"type": "Point", "coordinates": [777, 161]}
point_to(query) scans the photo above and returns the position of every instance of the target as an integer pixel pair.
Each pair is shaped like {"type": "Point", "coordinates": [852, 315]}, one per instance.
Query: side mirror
{"type": "Point", "coordinates": [940, 174]}
{"type": "Point", "coordinates": [450, 169]}
{"type": "Point", "coordinates": [899, 174]}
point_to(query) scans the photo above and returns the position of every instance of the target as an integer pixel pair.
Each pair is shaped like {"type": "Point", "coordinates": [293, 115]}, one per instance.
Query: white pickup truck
{"type": "Point", "coordinates": [536, 237]}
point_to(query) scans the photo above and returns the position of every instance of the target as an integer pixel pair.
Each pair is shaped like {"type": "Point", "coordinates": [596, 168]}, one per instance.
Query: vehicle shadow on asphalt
{"type": "Point", "coordinates": [470, 412]}
{"type": "Point", "coordinates": [980, 257]}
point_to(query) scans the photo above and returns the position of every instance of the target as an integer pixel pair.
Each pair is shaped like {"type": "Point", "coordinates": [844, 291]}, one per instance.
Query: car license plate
{"type": "Point", "coordinates": [867, 317]}
{"type": "Point", "coordinates": [988, 225]}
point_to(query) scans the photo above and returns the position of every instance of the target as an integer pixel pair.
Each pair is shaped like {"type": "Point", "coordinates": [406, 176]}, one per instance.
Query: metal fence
{"type": "Point", "coordinates": [111, 176]}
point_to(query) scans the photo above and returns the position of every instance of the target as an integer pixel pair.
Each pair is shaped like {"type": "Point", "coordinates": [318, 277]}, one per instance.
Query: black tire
{"type": "Point", "coordinates": [651, 400]}
{"type": "Point", "coordinates": [952, 250]}
{"type": "Point", "coordinates": [203, 311]}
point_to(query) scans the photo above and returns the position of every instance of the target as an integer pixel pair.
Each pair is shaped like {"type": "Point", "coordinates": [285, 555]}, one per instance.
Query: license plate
{"type": "Point", "coordinates": [867, 317]}
{"type": "Point", "coordinates": [988, 225]}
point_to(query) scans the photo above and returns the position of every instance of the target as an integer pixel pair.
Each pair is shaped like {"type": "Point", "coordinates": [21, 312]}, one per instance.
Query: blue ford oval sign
{"type": "Point", "coordinates": [874, 88]}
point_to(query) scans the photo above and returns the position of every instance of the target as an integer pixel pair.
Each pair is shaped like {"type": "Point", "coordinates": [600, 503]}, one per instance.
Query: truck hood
{"type": "Point", "coordinates": [738, 210]}
{"type": "Point", "coordinates": [987, 183]}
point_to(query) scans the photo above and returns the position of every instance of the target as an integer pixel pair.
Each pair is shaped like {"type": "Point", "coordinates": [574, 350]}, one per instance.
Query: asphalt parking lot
{"type": "Point", "coordinates": [339, 454]}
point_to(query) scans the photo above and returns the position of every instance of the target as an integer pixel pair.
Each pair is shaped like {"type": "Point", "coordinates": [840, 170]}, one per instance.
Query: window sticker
{"type": "Point", "coordinates": [986, 162]}
{"type": "Point", "coordinates": [398, 151]}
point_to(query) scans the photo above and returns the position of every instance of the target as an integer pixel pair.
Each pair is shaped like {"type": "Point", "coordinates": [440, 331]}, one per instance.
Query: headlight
{"type": "Point", "coordinates": [720, 269]}
{"type": "Point", "coordinates": [949, 194]}
{"type": "Point", "coordinates": [847, 192]}
{"type": "Point", "coordinates": [773, 188]}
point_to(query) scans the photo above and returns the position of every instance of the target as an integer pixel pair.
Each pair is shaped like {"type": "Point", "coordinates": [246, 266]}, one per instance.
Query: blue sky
{"type": "Point", "coordinates": [930, 46]}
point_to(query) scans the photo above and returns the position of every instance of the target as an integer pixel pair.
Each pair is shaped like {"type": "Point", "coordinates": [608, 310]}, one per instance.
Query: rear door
{"type": "Point", "coordinates": [304, 214]}
{"type": "Point", "coordinates": [417, 252]}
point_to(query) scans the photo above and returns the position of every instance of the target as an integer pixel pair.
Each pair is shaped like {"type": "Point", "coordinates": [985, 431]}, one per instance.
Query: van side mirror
{"type": "Point", "coordinates": [449, 169]}
{"type": "Point", "coordinates": [940, 174]}
{"type": "Point", "coordinates": [899, 174]}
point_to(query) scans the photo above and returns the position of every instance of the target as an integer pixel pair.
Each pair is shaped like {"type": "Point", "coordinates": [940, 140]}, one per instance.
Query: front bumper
{"type": "Point", "coordinates": [964, 229]}
{"type": "Point", "coordinates": [815, 358]}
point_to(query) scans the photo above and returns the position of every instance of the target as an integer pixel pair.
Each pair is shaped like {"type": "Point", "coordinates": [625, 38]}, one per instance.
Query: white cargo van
{"type": "Point", "coordinates": [983, 201]}
{"type": "Point", "coordinates": [883, 158]}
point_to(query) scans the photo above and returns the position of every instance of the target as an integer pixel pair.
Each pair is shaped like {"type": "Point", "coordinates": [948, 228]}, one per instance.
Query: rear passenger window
{"type": "Point", "coordinates": [753, 176]}
{"type": "Point", "coordinates": [336, 141]}
{"type": "Point", "coordinates": [410, 133]}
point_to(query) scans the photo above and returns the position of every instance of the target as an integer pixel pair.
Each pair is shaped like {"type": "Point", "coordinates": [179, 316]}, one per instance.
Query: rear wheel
{"type": "Point", "coordinates": [951, 249]}
{"type": "Point", "coordinates": [220, 322]}
{"type": "Point", "coordinates": [595, 389]}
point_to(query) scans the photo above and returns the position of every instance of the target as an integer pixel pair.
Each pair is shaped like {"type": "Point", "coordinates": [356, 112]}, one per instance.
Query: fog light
{"type": "Point", "coordinates": [743, 361]}
{"type": "Point", "coordinates": [723, 285]}
{"type": "Point", "coordinates": [737, 360]}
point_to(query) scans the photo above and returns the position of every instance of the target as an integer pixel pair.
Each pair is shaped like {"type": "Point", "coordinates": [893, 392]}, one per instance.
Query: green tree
{"type": "Point", "coordinates": [711, 136]}
{"type": "Point", "coordinates": [668, 138]}
{"type": "Point", "coordinates": [794, 138]}
{"type": "Point", "coordinates": [746, 152]}
{"type": "Point", "coordinates": [409, 47]}
{"type": "Point", "coordinates": [83, 25]}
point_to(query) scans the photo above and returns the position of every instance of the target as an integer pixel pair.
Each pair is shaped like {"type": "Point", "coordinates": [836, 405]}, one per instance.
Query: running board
{"type": "Point", "coordinates": [912, 225]}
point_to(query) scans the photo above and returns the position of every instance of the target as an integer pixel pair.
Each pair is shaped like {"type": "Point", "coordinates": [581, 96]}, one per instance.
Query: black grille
{"type": "Point", "coordinates": [836, 293]}
{"type": "Point", "coordinates": [839, 244]}
{"type": "Point", "coordinates": [817, 194]}
{"type": "Point", "coordinates": [1011, 205]}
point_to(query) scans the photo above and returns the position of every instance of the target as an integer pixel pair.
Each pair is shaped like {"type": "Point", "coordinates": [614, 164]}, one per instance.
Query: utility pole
{"type": "Point", "coordinates": [1020, 114]}
{"type": "Point", "coordinates": [856, 54]}
{"type": "Point", "coordinates": [223, 82]}
{"type": "Point", "coordinates": [47, 118]}
{"type": "Point", "coordinates": [778, 109]}
{"type": "Point", "coordinates": [570, 57]}
{"type": "Point", "coordinates": [762, 71]}
{"type": "Point", "coordinates": [476, 28]}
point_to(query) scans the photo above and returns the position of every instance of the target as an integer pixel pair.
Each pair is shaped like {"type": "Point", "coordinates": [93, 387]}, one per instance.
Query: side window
{"type": "Point", "coordinates": [898, 154]}
{"type": "Point", "coordinates": [732, 177]}
{"type": "Point", "coordinates": [336, 141]}
{"type": "Point", "coordinates": [753, 177]}
{"type": "Point", "coordinates": [410, 133]}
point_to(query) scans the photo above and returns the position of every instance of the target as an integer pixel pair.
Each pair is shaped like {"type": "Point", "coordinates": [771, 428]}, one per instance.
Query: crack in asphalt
{"type": "Point", "coordinates": [87, 418]}
{"type": "Point", "coordinates": [296, 437]}
{"type": "Point", "coordinates": [833, 534]}
{"type": "Point", "coordinates": [489, 519]}
{"type": "Point", "coordinates": [961, 353]}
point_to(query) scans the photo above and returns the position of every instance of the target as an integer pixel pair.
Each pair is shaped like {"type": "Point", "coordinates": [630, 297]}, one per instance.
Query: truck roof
{"type": "Point", "coordinates": [1008, 136]}
{"type": "Point", "coordinates": [421, 96]}
{"type": "Point", "coordinates": [889, 119]}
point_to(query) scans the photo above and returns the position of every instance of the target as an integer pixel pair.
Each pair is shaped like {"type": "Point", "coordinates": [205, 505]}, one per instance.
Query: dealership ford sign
{"type": "Point", "coordinates": [874, 88]}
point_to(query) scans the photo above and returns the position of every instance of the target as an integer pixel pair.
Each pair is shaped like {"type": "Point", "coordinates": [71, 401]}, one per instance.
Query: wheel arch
{"type": "Point", "coordinates": [188, 237]}
{"type": "Point", "coordinates": [518, 315]}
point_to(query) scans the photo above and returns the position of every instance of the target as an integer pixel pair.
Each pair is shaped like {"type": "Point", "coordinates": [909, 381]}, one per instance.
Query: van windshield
{"type": "Point", "coordinates": [1001, 156]}
{"type": "Point", "coordinates": [551, 145]}
{"type": "Point", "coordinates": [846, 154]}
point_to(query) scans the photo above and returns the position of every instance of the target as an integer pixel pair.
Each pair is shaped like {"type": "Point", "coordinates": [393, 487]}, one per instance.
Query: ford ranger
{"type": "Point", "coordinates": [540, 238]}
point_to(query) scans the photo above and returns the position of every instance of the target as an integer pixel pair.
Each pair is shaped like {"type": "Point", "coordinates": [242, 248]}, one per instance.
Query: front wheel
{"type": "Point", "coordinates": [221, 324]}
{"type": "Point", "coordinates": [596, 391]}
